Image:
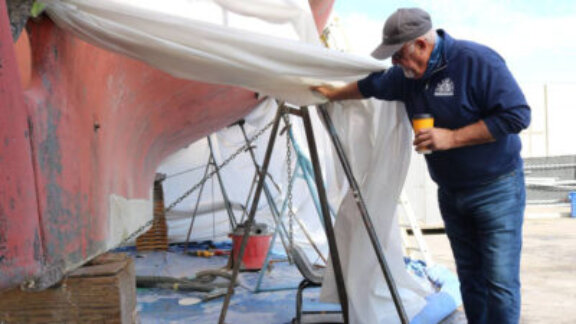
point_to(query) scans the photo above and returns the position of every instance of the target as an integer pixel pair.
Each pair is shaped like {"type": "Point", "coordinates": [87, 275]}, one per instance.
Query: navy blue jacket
{"type": "Point", "coordinates": [470, 83]}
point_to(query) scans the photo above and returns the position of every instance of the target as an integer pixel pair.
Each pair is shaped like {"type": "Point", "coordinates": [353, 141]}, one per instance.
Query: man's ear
{"type": "Point", "coordinates": [421, 43]}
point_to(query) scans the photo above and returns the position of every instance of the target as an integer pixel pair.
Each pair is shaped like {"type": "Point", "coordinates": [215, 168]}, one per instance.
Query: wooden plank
{"type": "Point", "coordinates": [108, 296]}
{"type": "Point", "coordinates": [99, 270]}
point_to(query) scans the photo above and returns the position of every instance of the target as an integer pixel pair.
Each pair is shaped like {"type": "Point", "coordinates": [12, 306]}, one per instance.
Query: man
{"type": "Point", "coordinates": [478, 111]}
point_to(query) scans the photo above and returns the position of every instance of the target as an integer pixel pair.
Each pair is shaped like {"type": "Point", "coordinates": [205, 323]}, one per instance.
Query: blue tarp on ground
{"type": "Point", "coordinates": [445, 301]}
{"type": "Point", "coordinates": [275, 307]}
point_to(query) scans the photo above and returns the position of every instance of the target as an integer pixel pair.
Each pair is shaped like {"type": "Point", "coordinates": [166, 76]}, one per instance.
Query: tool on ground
{"type": "Point", "coordinates": [209, 253]}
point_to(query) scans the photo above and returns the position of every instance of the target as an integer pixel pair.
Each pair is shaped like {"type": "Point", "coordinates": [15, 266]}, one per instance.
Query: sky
{"type": "Point", "coordinates": [535, 37]}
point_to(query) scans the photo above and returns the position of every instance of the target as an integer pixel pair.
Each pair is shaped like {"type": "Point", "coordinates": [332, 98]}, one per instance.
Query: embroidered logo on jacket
{"type": "Point", "coordinates": [444, 88]}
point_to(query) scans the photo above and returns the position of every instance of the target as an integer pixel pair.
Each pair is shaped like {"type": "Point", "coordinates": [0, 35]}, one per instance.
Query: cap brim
{"type": "Point", "coordinates": [385, 51]}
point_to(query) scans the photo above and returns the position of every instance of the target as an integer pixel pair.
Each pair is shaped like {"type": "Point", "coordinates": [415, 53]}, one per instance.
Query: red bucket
{"type": "Point", "coordinates": [255, 251]}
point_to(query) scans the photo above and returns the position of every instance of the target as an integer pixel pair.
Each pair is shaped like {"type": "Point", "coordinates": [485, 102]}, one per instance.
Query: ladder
{"type": "Point", "coordinates": [414, 244]}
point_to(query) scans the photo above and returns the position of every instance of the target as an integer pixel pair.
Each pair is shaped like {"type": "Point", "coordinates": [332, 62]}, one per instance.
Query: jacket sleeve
{"type": "Point", "coordinates": [504, 107]}
{"type": "Point", "coordinates": [384, 85]}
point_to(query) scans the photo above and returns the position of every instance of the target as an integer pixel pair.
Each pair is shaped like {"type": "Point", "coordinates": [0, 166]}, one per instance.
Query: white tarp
{"type": "Point", "coordinates": [205, 41]}
{"type": "Point", "coordinates": [376, 137]}
{"type": "Point", "coordinates": [268, 46]}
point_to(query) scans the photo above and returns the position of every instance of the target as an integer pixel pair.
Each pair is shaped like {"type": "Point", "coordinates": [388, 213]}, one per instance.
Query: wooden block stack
{"type": "Point", "coordinates": [156, 238]}
{"type": "Point", "coordinates": [103, 291]}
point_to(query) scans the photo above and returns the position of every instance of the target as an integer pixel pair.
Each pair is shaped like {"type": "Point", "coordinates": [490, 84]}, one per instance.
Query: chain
{"type": "Point", "coordinates": [138, 232]}
{"type": "Point", "coordinates": [206, 178]}
{"type": "Point", "coordinates": [223, 164]}
{"type": "Point", "coordinates": [289, 173]}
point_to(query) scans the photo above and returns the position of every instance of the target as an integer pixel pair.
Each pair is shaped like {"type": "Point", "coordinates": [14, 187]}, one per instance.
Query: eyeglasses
{"type": "Point", "coordinates": [399, 54]}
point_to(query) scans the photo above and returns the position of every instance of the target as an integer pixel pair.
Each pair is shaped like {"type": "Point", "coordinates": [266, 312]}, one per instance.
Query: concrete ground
{"type": "Point", "coordinates": [548, 270]}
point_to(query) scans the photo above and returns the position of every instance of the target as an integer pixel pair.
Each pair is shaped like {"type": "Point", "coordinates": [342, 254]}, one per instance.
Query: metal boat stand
{"type": "Point", "coordinates": [276, 214]}
{"type": "Point", "coordinates": [305, 167]}
{"type": "Point", "coordinates": [228, 204]}
{"type": "Point", "coordinates": [303, 112]}
{"type": "Point", "coordinates": [212, 163]}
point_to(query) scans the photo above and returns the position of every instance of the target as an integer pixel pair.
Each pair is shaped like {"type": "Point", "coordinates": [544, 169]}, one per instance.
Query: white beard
{"type": "Point", "coordinates": [408, 73]}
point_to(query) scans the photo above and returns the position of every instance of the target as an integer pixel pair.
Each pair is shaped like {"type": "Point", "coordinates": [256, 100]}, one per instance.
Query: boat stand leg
{"type": "Point", "coordinates": [227, 203]}
{"type": "Point", "coordinates": [334, 256]}
{"type": "Point", "coordinates": [193, 218]}
{"type": "Point", "coordinates": [364, 213]}
{"type": "Point", "coordinates": [250, 220]}
{"type": "Point", "coordinates": [269, 198]}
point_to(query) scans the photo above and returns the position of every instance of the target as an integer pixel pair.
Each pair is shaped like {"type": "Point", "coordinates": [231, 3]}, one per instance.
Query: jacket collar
{"type": "Point", "coordinates": [445, 46]}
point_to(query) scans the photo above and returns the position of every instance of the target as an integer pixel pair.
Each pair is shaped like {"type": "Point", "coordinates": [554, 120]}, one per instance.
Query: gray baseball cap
{"type": "Point", "coordinates": [402, 26]}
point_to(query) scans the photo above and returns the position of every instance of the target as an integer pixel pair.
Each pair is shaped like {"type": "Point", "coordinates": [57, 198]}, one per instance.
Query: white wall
{"type": "Point", "coordinates": [420, 192]}
{"type": "Point", "coordinates": [551, 131]}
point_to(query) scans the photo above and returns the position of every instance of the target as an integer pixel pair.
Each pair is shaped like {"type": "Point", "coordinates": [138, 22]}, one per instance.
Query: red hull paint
{"type": "Point", "coordinates": [20, 246]}
{"type": "Point", "coordinates": [91, 123]}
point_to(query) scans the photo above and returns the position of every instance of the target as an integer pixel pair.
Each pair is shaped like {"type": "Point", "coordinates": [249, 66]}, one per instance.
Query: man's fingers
{"type": "Point", "coordinates": [322, 90]}
{"type": "Point", "coordinates": [424, 140]}
{"type": "Point", "coordinates": [426, 143]}
{"type": "Point", "coordinates": [422, 136]}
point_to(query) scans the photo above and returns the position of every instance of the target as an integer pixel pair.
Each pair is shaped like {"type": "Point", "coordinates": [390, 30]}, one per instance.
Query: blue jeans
{"type": "Point", "coordinates": [484, 226]}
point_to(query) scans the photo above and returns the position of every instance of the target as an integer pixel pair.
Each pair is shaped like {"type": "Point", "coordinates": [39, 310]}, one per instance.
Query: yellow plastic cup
{"type": "Point", "coordinates": [420, 122]}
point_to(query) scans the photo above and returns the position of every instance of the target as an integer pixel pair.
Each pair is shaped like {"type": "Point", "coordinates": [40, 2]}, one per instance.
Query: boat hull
{"type": "Point", "coordinates": [87, 130]}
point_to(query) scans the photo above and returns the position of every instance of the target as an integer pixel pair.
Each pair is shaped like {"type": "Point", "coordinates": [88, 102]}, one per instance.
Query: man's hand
{"type": "Point", "coordinates": [435, 139]}
{"type": "Point", "coordinates": [440, 139]}
{"type": "Point", "coordinates": [326, 90]}
{"type": "Point", "coordinates": [349, 91]}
